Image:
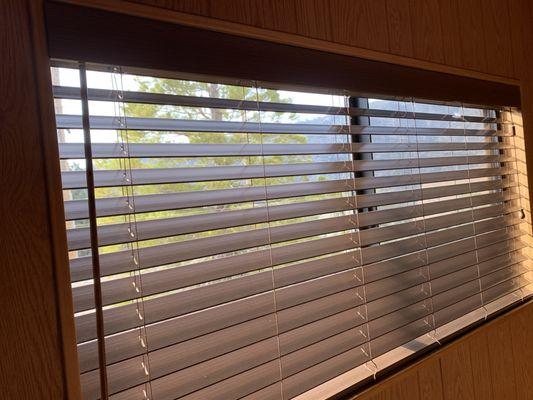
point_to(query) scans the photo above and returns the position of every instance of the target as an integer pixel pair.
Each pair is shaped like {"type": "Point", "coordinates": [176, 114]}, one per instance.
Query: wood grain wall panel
{"type": "Point", "coordinates": [500, 352]}
{"type": "Point", "coordinates": [430, 380]}
{"type": "Point", "coordinates": [400, 387]}
{"type": "Point", "coordinates": [313, 19]}
{"type": "Point", "coordinates": [521, 334]}
{"type": "Point", "coordinates": [451, 32]}
{"type": "Point", "coordinates": [472, 35]}
{"type": "Point", "coordinates": [277, 15]}
{"type": "Point", "coordinates": [274, 15]}
{"type": "Point", "coordinates": [56, 211]}
{"type": "Point", "coordinates": [479, 359]}
{"type": "Point", "coordinates": [496, 28]}
{"type": "Point", "coordinates": [457, 381]}
{"type": "Point", "coordinates": [426, 28]}
{"type": "Point", "coordinates": [519, 33]}
{"type": "Point", "coordinates": [31, 364]}
{"type": "Point", "coordinates": [198, 7]}
{"type": "Point", "coordinates": [399, 28]}
{"type": "Point", "coordinates": [240, 11]}
{"type": "Point", "coordinates": [360, 23]}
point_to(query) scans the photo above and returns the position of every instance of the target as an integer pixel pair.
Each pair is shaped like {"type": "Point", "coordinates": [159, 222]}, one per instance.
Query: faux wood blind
{"type": "Point", "coordinates": [259, 243]}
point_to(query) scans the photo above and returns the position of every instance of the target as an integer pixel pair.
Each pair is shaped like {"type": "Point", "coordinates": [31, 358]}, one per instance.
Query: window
{"type": "Point", "coordinates": [273, 242]}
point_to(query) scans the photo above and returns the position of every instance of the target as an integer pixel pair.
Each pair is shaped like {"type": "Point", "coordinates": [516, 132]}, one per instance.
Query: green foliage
{"type": "Point", "coordinates": [190, 88]}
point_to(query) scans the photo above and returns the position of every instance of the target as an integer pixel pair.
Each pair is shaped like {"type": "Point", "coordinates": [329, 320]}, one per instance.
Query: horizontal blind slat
{"type": "Point", "coordinates": [64, 121]}
{"type": "Point", "coordinates": [77, 209]}
{"type": "Point", "coordinates": [109, 178]}
{"type": "Point", "coordinates": [423, 226]}
{"type": "Point", "coordinates": [123, 289]}
{"type": "Point", "coordinates": [122, 347]}
{"type": "Point", "coordinates": [162, 150]}
{"type": "Point", "coordinates": [125, 317]}
{"type": "Point", "coordinates": [79, 238]}
{"type": "Point", "coordinates": [94, 94]}
{"type": "Point", "coordinates": [196, 248]}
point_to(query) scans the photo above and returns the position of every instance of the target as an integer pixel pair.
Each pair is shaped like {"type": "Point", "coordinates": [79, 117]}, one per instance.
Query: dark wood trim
{"type": "Point", "coordinates": [38, 338]}
{"type": "Point", "coordinates": [56, 216]}
{"type": "Point", "coordinates": [97, 36]}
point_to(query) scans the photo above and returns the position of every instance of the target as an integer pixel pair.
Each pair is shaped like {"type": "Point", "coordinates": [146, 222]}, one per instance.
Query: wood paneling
{"type": "Point", "coordinates": [496, 30]}
{"type": "Point", "coordinates": [269, 10]}
{"type": "Point", "coordinates": [437, 34]}
{"type": "Point", "coordinates": [519, 33]}
{"type": "Point", "coordinates": [399, 28]}
{"type": "Point", "coordinates": [430, 380]}
{"type": "Point", "coordinates": [313, 19]}
{"type": "Point", "coordinates": [32, 365]}
{"type": "Point", "coordinates": [521, 333]}
{"type": "Point", "coordinates": [56, 212]}
{"type": "Point", "coordinates": [199, 7]}
{"type": "Point", "coordinates": [477, 366]}
{"type": "Point", "coordinates": [474, 34]}
{"type": "Point", "coordinates": [500, 350]}
{"type": "Point", "coordinates": [457, 378]}
{"type": "Point", "coordinates": [268, 14]}
{"type": "Point", "coordinates": [92, 35]}
{"type": "Point", "coordinates": [451, 32]}
{"type": "Point", "coordinates": [479, 359]}
{"type": "Point", "coordinates": [426, 28]}
{"type": "Point", "coordinates": [360, 23]}
{"type": "Point", "coordinates": [403, 386]}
